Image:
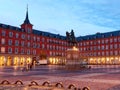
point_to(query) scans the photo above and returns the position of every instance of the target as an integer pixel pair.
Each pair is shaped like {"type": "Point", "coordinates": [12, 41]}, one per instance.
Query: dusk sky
{"type": "Point", "coordinates": [58, 16]}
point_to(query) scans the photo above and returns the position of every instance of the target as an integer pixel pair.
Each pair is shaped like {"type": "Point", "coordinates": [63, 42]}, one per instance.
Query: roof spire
{"type": "Point", "coordinates": [27, 18]}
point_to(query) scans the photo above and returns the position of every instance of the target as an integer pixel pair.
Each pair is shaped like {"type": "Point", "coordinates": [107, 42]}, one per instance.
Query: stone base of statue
{"type": "Point", "coordinates": [73, 61]}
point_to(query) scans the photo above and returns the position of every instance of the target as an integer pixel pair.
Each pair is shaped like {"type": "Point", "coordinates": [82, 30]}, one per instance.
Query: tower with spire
{"type": "Point", "coordinates": [27, 26]}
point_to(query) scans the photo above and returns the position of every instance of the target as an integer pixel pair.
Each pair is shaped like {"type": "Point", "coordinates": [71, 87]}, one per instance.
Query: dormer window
{"type": "Point", "coordinates": [111, 34]}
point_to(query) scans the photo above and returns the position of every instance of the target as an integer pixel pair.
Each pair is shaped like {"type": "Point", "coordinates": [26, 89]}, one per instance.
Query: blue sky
{"type": "Point", "coordinates": [58, 16]}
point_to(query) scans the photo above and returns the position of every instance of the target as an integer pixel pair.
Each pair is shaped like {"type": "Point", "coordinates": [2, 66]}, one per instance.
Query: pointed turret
{"type": "Point", "coordinates": [27, 18]}
{"type": "Point", "coordinates": [27, 26]}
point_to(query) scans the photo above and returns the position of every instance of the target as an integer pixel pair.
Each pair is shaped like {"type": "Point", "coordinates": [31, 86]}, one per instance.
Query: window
{"type": "Point", "coordinates": [38, 39]}
{"type": "Point", "coordinates": [106, 41]}
{"type": "Point", "coordinates": [43, 46]}
{"type": "Point", "coordinates": [34, 52]}
{"type": "Point", "coordinates": [107, 53]}
{"type": "Point", "coordinates": [22, 51]}
{"type": "Point", "coordinates": [47, 40]}
{"type": "Point", "coordinates": [48, 47]}
{"type": "Point", "coordinates": [3, 33]}
{"type": "Point", "coordinates": [102, 53]}
{"type": "Point", "coordinates": [98, 41]}
{"type": "Point", "coordinates": [34, 38]}
{"type": "Point", "coordinates": [116, 52]}
{"type": "Point", "coordinates": [10, 34]}
{"type": "Point", "coordinates": [2, 41]}
{"type": "Point", "coordinates": [17, 35]}
{"type": "Point", "coordinates": [115, 39]}
{"type": "Point", "coordinates": [9, 50]}
{"type": "Point", "coordinates": [2, 49]}
{"type": "Point", "coordinates": [50, 53]}
{"type": "Point", "coordinates": [9, 42]}
{"type": "Point", "coordinates": [43, 39]}
{"type": "Point", "coordinates": [23, 36]}
{"type": "Point", "coordinates": [22, 43]}
{"type": "Point", "coordinates": [102, 47]}
{"type": "Point", "coordinates": [91, 42]}
{"type": "Point", "coordinates": [111, 40]}
{"type": "Point", "coordinates": [51, 47]}
{"type": "Point", "coordinates": [34, 45]}
{"type": "Point", "coordinates": [16, 42]}
{"type": "Point", "coordinates": [115, 46]}
{"type": "Point", "coordinates": [28, 44]}
{"type": "Point", "coordinates": [111, 52]}
{"type": "Point", "coordinates": [111, 46]}
{"type": "Point", "coordinates": [28, 37]}
{"type": "Point", "coordinates": [106, 47]}
{"type": "Point", "coordinates": [98, 53]}
{"type": "Point", "coordinates": [16, 50]}
{"type": "Point", "coordinates": [29, 31]}
{"type": "Point", "coordinates": [38, 46]}
{"type": "Point", "coordinates": [28, 51]}
{"type": "Point", "coordinates": [102, 41]}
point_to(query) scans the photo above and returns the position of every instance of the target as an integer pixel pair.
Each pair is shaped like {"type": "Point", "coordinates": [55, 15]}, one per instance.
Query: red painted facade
{"type": "Point", "coordinates": [18, 46]}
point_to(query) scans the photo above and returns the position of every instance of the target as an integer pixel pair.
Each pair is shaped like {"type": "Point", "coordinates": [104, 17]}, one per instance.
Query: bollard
{"type": "Point", "coordinates": [5, 82]}
{"type": "Point", "coordinates": [86, 88]}
{"type": "Point", "coordinates": [33, 83]}
{"type": "Point", "coordinates": [46, 83]}
{"type": "Point", "coordinates": [59, 84]}
{"type": "Point", "coordinates": [71, 86]}
{"type": "Point", "coordinates": [19, 82]}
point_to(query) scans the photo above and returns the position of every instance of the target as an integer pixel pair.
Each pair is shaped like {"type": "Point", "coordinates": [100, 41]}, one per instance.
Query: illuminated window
{"type": "Point", "coordinates": [2, 41]}
{"type": "Point", "coordinates": [2, 49]}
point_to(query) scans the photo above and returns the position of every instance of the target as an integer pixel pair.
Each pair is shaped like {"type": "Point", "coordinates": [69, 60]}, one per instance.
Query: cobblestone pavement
{"type": "Point", "coordinates": [96, 78]}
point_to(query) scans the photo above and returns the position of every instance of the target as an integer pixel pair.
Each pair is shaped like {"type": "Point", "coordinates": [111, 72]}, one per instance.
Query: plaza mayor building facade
{"type": "Point", "coordinates": [20, 46]}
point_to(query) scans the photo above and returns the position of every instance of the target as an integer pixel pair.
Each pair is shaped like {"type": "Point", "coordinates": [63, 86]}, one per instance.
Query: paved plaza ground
{"type": "Point", "coordinates": [97, 78]}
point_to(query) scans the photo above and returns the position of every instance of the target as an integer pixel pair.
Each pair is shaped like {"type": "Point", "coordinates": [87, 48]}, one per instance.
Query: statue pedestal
{"type": "Point", "coordinates": [73, 61]}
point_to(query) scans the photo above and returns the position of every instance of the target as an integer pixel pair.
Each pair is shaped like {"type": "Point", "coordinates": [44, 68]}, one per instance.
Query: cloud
{"type": "Point", "coordinates": [103, 13]}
